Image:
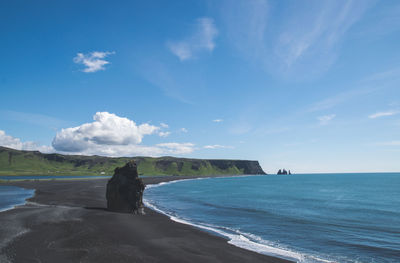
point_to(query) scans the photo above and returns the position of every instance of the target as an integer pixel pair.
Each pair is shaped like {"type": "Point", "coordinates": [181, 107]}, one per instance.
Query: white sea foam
{"type": "Point", "coordinates": [172, 182]}
{"type": "Point", "coordinates": [238, 238]}
{"type": "Point", "coordinates": [9, 208]}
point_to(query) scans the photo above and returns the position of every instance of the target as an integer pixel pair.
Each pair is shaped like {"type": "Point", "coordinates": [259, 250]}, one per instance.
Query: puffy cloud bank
{"type": "Point", "coordinates": [112, 135]}
{"type": "Point", "coordinates": [108, 135]}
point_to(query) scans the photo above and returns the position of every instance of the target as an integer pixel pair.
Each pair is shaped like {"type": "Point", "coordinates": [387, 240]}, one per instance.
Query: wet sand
{"type": "Point", "coordinates": [67, 221]}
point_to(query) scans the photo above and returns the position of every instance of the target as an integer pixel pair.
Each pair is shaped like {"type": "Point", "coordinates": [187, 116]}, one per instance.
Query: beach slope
{"type": "Point", "coordinates": [66, 221]}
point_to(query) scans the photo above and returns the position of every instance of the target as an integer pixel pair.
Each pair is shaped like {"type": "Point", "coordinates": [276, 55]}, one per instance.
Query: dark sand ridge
{"type": "Point", "coordinates": [66, 221]}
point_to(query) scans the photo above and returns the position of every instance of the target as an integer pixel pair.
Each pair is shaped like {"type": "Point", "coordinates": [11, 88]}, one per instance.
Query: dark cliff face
{"type": "Point", "coordinates": [125, 190]}
{"type": "Point", "coordinates": [188, 166]}
{"type": "Point", "coordinates": [248, 167]}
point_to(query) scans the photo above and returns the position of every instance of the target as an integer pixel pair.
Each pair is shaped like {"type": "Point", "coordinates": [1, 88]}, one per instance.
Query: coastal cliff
{"type": "Point", "coordinates": [15, 162]}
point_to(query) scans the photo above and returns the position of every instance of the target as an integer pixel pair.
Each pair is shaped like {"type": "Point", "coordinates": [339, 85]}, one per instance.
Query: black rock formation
{"type": "Point", "coordinates": [283, 171]}
{"type": "Point", "coordinates": [125, 190]}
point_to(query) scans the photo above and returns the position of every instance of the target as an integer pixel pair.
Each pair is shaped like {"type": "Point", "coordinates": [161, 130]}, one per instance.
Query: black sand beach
{"type": "Point", "coordinates": [67, 221]}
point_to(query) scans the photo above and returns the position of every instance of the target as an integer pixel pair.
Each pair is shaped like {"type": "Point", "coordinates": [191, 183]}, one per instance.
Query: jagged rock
{"type": "Point", "coordinates": [283, 171]}
{"type": "Point", "coordinates": [125, 190]}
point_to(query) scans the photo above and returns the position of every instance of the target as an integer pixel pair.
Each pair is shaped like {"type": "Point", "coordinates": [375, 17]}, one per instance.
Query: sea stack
{"type": "Point", "coordinates": [125, 190]}
{"type": "Point", "coordinates": [283, 171]}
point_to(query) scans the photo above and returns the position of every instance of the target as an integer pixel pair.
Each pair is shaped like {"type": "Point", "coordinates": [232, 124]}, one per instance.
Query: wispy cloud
{"type": "Point", "coordinates": [377, 81]}
{"type": "Point", "coordinates": [240, 128]}
{"type": "Point", "coordinates": [183, 130]}
{"type": "Point", "coordinates": [164, 125]}
{"type": "Point", "coordinates": [324, 120]}
{"type": "Point", "coordinates": [383, 21]}
{"type": "Point", "coordinates": [177, 148]}
{"type": "Point", "coordinates": [218, 120]}
{"type": "Point", "coordinates": [338, 99]}
{"type": "Point", "coordinates": [322, 29]}
{"type": "Point", "coordinates": [217, 146]}
{"type": "Point", "coordinates": [93, 61]}
{"type": "Point", "coordinates": [383, 114]}
{"type": "Point", "coordinates": [390, 143]}
{"type": "Point", "coordinates": [303, 42]}
{"type": "Point", "coordinates": [164, 134]}
{"type": "Point", "coordinates": [389, 75]}
{"type": "Point", "coordinates": [166, 78]}
{"type": "Point", "coordinates": [246, 23]}
{"type": "Point", "coordinates": [202, 39]}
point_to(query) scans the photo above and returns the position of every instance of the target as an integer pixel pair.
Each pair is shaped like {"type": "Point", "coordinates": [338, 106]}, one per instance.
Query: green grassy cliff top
{"type": "Point", "coordinates": [15, 162]}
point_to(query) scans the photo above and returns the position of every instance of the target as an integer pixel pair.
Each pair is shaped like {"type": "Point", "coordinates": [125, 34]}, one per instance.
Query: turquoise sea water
{"type": "Point", "coordinates": [11, 196]}
{"type": "Point", "coordinates": [308, 217]}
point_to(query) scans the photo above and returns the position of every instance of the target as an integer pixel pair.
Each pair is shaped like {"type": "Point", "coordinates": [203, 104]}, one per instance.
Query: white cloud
{"type": "Point", "coordinates": [323, 120]}
{"type": "Point", "coordinates": [111, 135]}
{"type": "Point", "coordinates": [202, 39]}
{"type": "Point", "coordinates": [107, 129]}
{"type": "Point", "coordinates": [183, 130]}
{"type": "Point", "coordinates": [16, 143]}
{"type": "Point", "coordinates": [164, 125]}
{"type": "Point", "coordinates": [164, 134]}
{"type": "Point", "coordinates": [176, 148]}
{"type": "Point", "coordinates": [217, 146]}
{"type": "Point", "coordinates": [218, 120]}
{"type": "Point", "coordinates": [93, 61]}
{"type": "Point", "coordinates": [383, 114]}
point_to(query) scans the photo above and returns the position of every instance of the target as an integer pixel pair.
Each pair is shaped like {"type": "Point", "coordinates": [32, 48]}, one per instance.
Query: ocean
{"type": "Point", "coordinates": [11, 196]}
{"type": "Point", "coordinates": [303, 217]}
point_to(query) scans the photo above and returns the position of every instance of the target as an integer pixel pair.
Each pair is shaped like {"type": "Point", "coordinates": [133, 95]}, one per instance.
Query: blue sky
{"type": "Point", "coordinates": [311, 86]}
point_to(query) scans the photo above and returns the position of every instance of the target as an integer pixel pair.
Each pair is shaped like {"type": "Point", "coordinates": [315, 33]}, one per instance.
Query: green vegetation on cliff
{"type": "Point", "coordinates": [15, 162]}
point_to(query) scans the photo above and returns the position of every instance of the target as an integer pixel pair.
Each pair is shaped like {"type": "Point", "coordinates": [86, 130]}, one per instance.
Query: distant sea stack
{"type": "Point", "coordinates": [283, 171]}
{"type": "Point", "coordinates": [125, 190]}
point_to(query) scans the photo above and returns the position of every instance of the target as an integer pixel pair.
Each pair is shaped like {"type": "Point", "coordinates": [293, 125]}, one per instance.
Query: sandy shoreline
{"type": "Point", "coordinates": [66, 221]}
